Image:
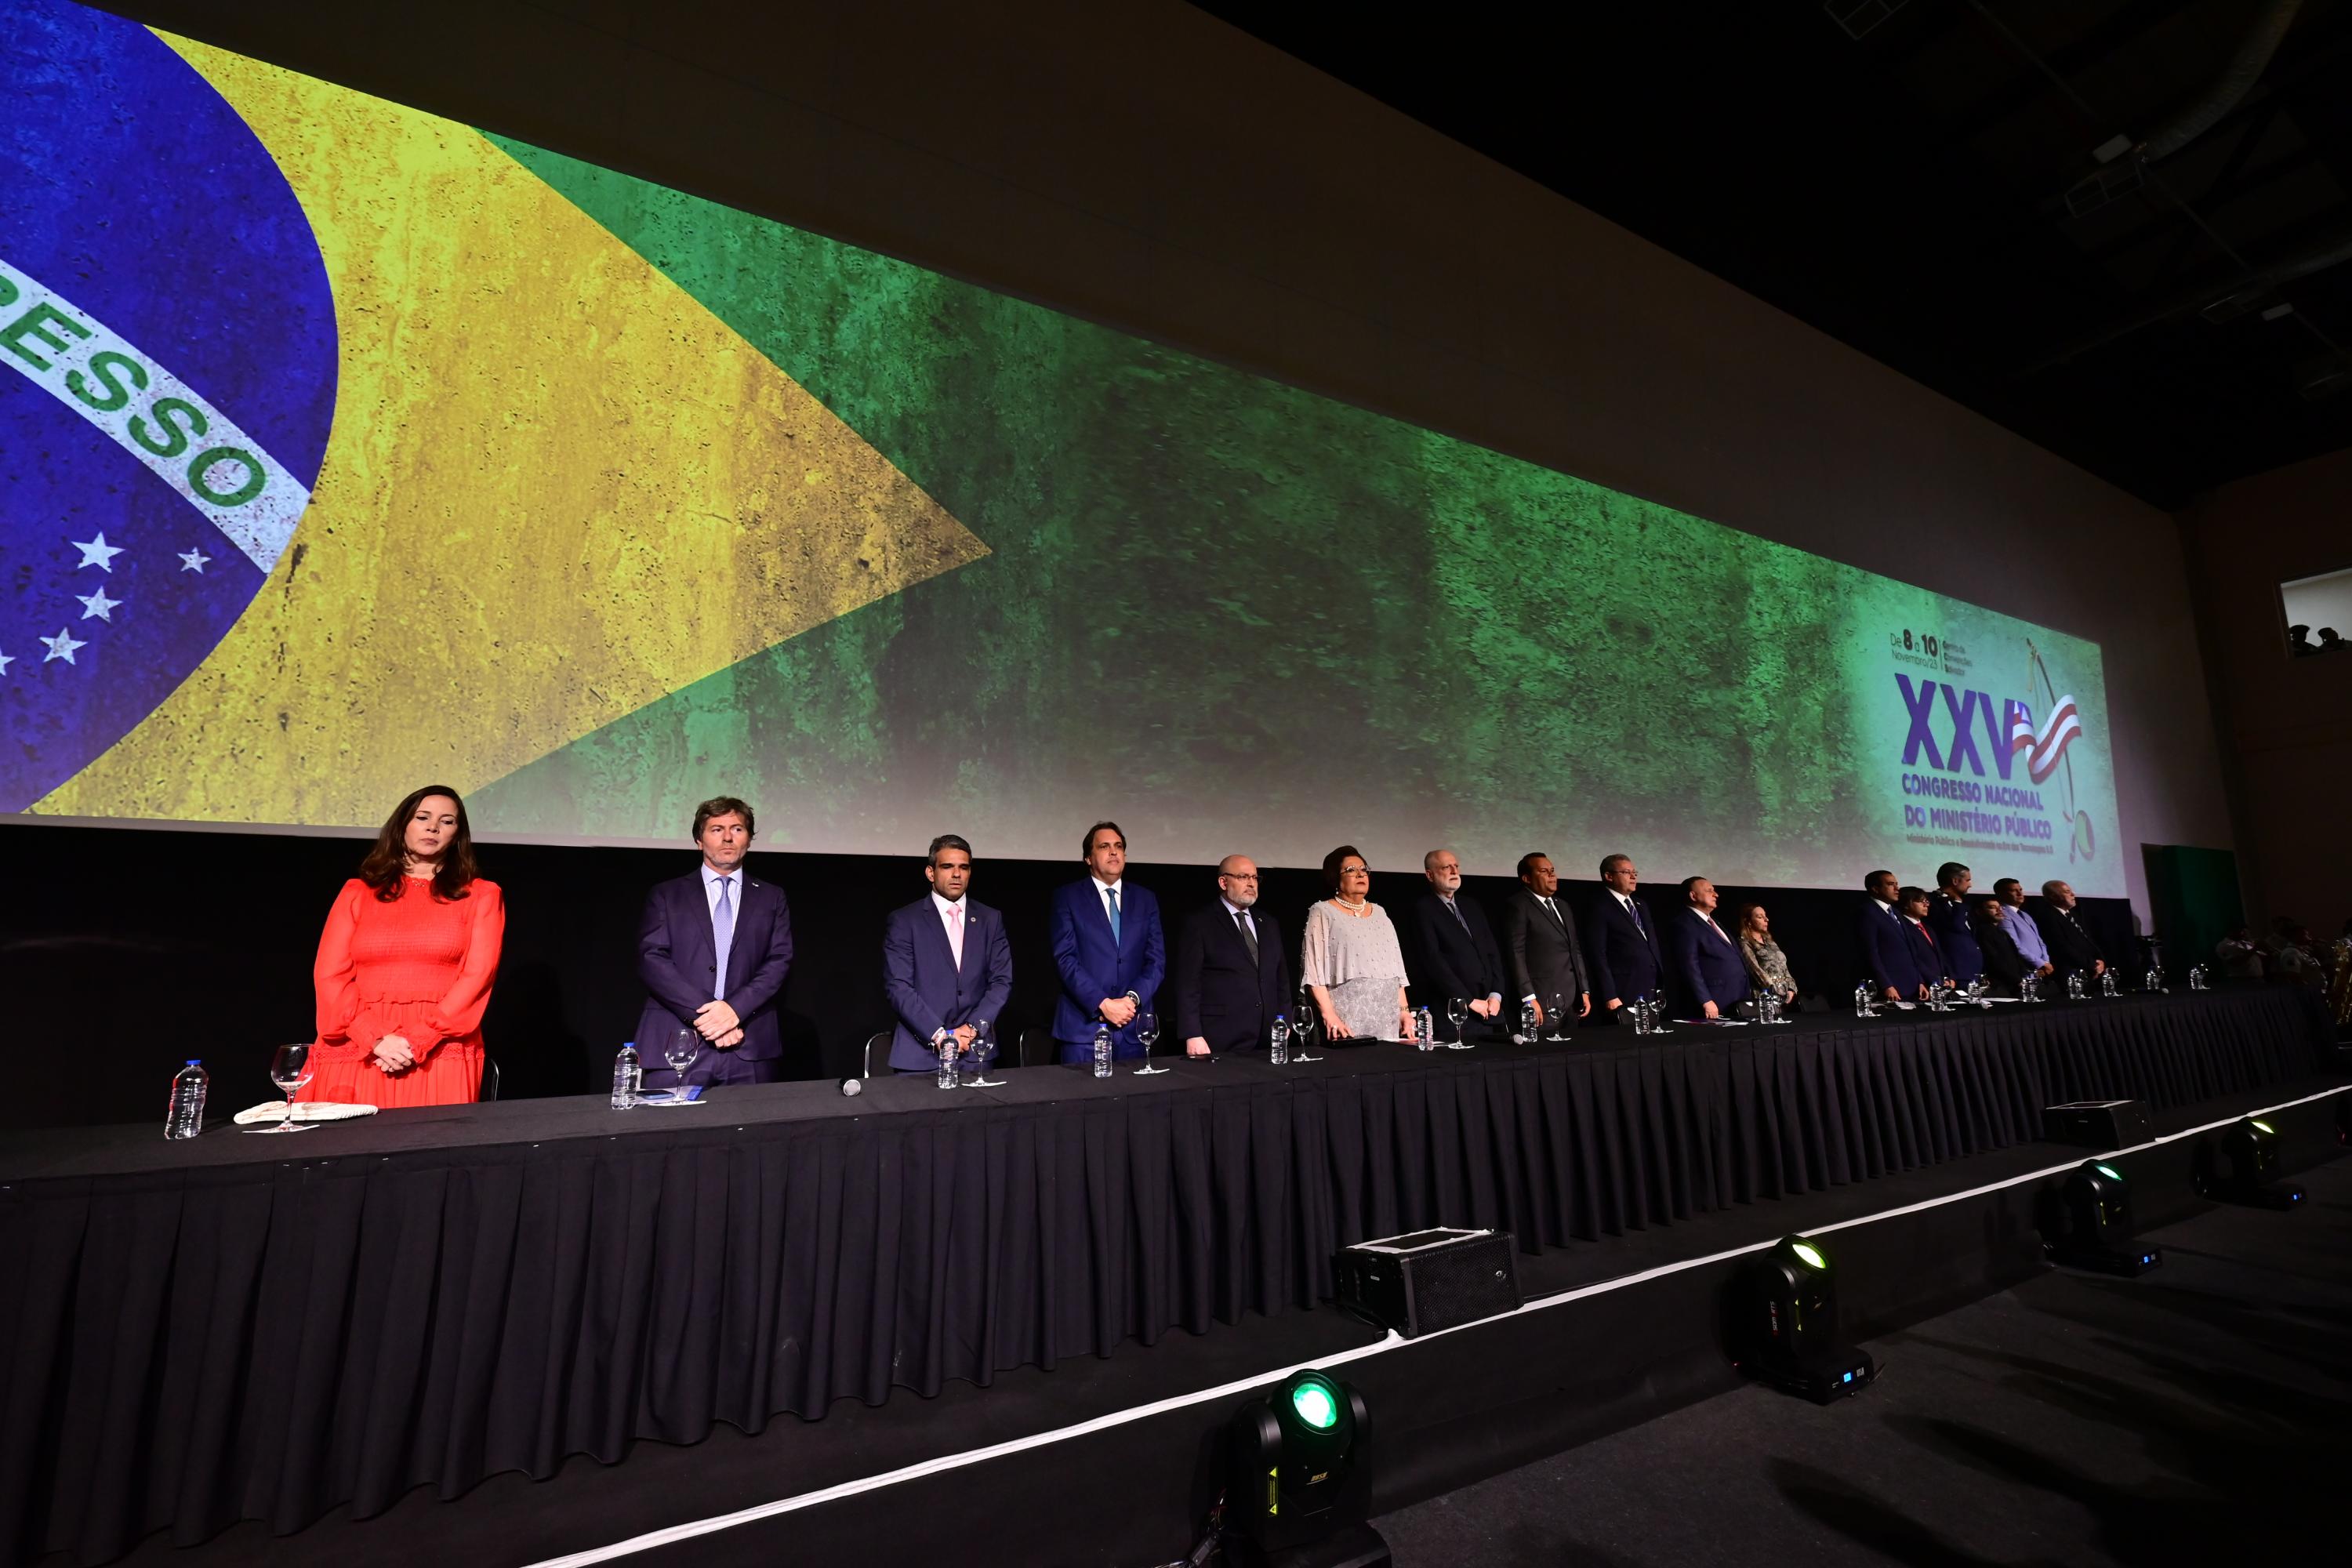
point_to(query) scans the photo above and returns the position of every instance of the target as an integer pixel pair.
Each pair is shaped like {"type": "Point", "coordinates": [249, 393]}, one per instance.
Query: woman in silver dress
{"type": "Point", "coordinates": [1351, 961]}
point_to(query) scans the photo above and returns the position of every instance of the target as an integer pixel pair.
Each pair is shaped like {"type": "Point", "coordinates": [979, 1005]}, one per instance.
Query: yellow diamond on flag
{"type": "Point", "coordinates": [557, 489]}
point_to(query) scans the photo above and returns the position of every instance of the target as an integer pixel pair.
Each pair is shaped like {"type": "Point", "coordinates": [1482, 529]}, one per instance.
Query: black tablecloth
{"type": "Point", "coordinates": [238, 1326]}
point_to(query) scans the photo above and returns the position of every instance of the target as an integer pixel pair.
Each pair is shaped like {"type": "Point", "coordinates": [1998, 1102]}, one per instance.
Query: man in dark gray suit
{"type": "Point", "coordinates": [1539, 944]}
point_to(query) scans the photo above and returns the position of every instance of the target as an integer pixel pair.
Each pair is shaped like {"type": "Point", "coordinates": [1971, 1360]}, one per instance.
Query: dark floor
{"type": "Point", "coordinates": [2199, 1413]}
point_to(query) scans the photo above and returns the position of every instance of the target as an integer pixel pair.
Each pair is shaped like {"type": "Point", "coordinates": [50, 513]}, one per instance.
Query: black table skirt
{"type": "Point", "coordinates": [231, 1328]}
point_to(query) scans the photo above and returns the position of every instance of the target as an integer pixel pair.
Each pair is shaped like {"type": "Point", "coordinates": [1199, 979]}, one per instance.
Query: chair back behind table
{"type": "Point", "coordinates": [1039, 1048]}
{"type": "Point", "coordinates": [877, 1050]}
{"type": "Point", "coordinates": [489, 1084]}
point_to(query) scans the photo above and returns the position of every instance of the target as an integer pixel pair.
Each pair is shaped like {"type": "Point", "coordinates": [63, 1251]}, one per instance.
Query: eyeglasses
{"type": "Point", "coordinates": [1236, 876]}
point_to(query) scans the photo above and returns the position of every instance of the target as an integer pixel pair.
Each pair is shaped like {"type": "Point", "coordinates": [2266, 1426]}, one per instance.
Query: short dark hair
{"type": "Point", "coordinates": [1336, 858]}
{"type": "Point", "coordinates": [1690, 882]}
{"type": "Point", "coordinates": [1871, 880]}
{"type": "Point", "coordinates": [1905, 895]}
{"type": "Point", "coordinates": [1984, 899]}
{"type": "Point", "coordinates": [720, 806]}
{"type": "Point", "coordinates": [1528, 862]}
{"type": "Point", "coordinates": [948, 841]}
{"type": "Point", "coordinates": [2005, 882]}
{"type": "Point", "coordinates": [1946, 871]}
{"type": "Point", "coordinates": [1608, 860]}
{"type": "Point", "coordinates": [1087, 844]}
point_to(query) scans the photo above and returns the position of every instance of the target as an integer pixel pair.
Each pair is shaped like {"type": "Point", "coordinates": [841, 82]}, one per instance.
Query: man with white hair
{"type": "Point", "coordinates": [1232, 977]}
{"type": "Point", "coordinates": [1458, 953]}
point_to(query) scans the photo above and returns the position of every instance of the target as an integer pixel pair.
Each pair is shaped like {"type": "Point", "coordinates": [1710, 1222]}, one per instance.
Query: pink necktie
{"type": "Point", "coordinates": [955, 932]}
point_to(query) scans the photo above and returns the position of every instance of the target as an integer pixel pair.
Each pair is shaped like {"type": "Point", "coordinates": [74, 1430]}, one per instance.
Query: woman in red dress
{"type": "Point", "coordinates": [406, 965]}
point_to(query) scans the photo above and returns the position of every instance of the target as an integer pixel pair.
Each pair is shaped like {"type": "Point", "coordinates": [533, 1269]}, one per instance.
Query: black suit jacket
{"type": "Point", "coordinates": [1221, 996]}
{"type": "Point", "coordinates": [1541, 954]}
{"type": "Point", "coordinates": [2004, 964]}
{"type": "Point", "coordinates": [1627, 960]}
{"type": "Point", "coordinates": [1457, 958]}
{"type": "Point", "coordinates": [2070, 943]}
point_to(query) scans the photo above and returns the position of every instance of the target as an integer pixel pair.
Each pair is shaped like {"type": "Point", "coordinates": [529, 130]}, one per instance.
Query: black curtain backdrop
{"type": "Point", "coordinates": [164, 944]}
{"type": "Point", "coordinates": [227, 1328]}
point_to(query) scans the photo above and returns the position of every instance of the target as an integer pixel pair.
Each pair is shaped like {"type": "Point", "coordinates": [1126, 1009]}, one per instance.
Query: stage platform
{"type": "Point", "coordinates": [1106, 1457]}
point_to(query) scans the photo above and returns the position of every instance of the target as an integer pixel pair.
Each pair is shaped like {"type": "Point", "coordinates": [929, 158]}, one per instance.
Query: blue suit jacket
{"type": "Point", "coordinates": [928, 991]}
{"type": "Point", "coordinates": [1955, 935]}
{"type": "Point", "coordinates": [1093, 967]}
{"type": "Point", "coordinates": [1707, 967]}
{"type": "Point", "coordinates": [1621, 959]}
{"type": "Point", "coordinates": [1886, 958]}
{"type": "Point", "coordinates": [678, 962]}
{"type": "Point", "coordinates": [1932, 964]}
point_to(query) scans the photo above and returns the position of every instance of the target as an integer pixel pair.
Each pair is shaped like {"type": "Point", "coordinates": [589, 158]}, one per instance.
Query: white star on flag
{"type": "Point", "coordinates": [195, 561]}
{"type": "Point", "coordinates": [4, 662]}
{"type": "Point", "coordinates": [96, 552]}
{"type": "Point", "coordinates": [98, 604]}
{"type": "Point", "coordinates": [62, 645]}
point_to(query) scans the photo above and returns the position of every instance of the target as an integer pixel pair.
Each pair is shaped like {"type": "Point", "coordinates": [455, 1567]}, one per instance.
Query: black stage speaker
{"type": "Point", "coordinates": [2097, 1123]}
{"type": "Point", "coordinates": [1429, 1279]}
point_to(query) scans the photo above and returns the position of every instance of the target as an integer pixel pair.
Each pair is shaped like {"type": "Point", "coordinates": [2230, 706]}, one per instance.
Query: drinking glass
{"type": "Point", "coordinates": [1456, 1009]}
{"type": "Point", "coordinates": [684, 1046]}
{"type": "Point", "coordinates": [1302, 1033]}
{"type": "Point", "coordinates": [1147, 1029]}
{"type": "Point", "coordinates": [983, 1051]}
{"type": "Point", "coordinates": [289, 1069]}
{"type": "Point", "coordinates": [1556, 1009]}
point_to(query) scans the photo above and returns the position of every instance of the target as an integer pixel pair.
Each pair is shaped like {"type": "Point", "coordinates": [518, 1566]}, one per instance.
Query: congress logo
{"type": "Point", "coordinates": [2044, 748]}
{"type": "Point", "coordinates": [167, 380]}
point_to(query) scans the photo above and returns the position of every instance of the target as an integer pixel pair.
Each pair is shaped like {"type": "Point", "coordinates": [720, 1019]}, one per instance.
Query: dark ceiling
{"type": "Point", "coordinates": [1907, 190]}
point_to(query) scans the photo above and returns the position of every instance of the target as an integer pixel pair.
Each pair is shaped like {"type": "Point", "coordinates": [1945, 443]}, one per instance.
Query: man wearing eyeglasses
{"type": "Point", "coordinates": [1231, 977]}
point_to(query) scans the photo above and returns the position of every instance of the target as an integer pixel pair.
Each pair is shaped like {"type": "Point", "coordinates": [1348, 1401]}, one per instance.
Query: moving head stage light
{"type": "Point", "coordinates": [1299, 1484]}
{"type": "Point", "coordinates": [1784, 1323]}
{"type": "Point", "coordinates": [2246, 1169]}
{"type": "Point", "coordinates": [2089, 1224]}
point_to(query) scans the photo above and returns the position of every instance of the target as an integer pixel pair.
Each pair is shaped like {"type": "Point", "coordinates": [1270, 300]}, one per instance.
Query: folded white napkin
{"type": "Point", "coordinates": [308, 1111]}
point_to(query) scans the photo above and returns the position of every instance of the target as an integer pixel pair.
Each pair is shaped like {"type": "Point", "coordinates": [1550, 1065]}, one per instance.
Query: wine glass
{"type": "Point", "coordinates": [1556, 1013]}
{"type": "Point", "coordinates": [983, 1051]}
{"type": "Point", "coordinates": [684, 1046]}
{"type": "Point", "coordinates": [1456, 1009]}
{"type": "Point", "coordinates": [1302, 1034]}
{"type": "Point", "coordinates": [1147, 1029]}
{"type": "Point", "coordinates": [289, 1069]}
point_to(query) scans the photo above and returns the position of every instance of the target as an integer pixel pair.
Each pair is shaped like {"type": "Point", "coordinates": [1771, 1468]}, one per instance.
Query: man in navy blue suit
{"type": "Point", "coordinates": [1949, 918]}
{"type": "Point", "coordinates": [1706, 962]}
{"type": "Point", "coordinates": [1931, 965]}
{"type": "Point", "coordinates": [1620, 941]}
{"type": "Point", "coordinates": [1109, 949]}
{"type": "Point", "coordinates": [713, 949]}
{"type": "Point", "coordinates": [1887, 954]}
{"type": "Point", "coordinates": [946, 966]}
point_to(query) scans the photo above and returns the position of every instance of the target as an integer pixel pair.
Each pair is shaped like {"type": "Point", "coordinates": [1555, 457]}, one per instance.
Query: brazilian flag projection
{"type": "Point", "coordinates": [347, 448]}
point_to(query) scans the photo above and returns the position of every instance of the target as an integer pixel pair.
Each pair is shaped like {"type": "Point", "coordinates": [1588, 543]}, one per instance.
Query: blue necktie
{"type": "Point", "coordinates": [1113, 916]}
{"type": "Point", "coordinates": [722, 931]}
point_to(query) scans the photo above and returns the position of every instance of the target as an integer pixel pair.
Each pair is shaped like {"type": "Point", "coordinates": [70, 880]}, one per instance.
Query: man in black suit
{"type": "Point", "coordinates": [1621, 941]}
{"type": "Point", "coordinates": [2071, 950]}
{"type": "Point", "coordinates": [1540, 946]}
{"type": "Point", "coordinates": [2004, 967]}
{"type": "Point", "coordinates": [1456, 945]}
{"type": "Point", "coordinates": [1232, 978]}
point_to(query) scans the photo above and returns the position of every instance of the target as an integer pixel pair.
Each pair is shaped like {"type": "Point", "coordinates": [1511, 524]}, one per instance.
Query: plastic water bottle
{"type": "Point", "coordinates": [1425, 1029]}
{"type": "Point", "coordinates": [1278, 1041]}
{"type": "Point", "coordinates": [948, 1061]}
{"type": "Point", "coordinates": [1102, 1050]}
{"type": "Point", "coordinates": [628, 1076]}
{"type": "Point", "coordinates": [183, 1117]}
{"type": "Point", "coordinates": [1861, 1007]}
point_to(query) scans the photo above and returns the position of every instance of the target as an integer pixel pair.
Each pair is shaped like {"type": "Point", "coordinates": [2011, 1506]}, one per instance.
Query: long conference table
{"type": "Point", "coordinates": [238, 1326]}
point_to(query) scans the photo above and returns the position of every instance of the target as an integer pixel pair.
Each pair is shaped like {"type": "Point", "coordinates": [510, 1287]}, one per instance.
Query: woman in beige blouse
{"type": "Point", "coordinates": [1350, 962]}
{"type": "Point", "coordinates": [1767, 964]}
